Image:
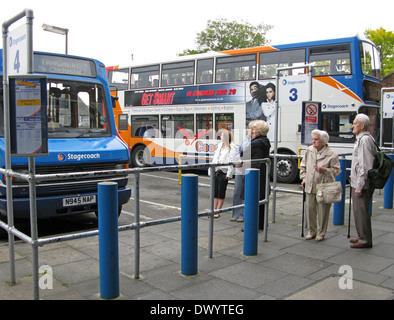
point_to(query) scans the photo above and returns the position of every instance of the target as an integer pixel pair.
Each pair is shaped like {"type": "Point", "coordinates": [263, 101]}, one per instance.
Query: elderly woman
{"type": "Point", "coordinates": [259, 148]}
{"type": "Point", "coordinates": [320, 164]}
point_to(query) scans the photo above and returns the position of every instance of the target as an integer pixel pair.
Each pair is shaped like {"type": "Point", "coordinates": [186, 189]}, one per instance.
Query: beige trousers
{"type": "Point", "coordinates": [317, 215]}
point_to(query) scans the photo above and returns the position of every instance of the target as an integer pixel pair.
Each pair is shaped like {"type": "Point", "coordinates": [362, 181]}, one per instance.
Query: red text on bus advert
{"type": "Point", "coordinates": [157, 98]}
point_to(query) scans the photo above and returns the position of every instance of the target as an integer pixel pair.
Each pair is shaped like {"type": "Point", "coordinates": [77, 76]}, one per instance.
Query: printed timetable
{"type": "Point", "coordinates": [28, 117]}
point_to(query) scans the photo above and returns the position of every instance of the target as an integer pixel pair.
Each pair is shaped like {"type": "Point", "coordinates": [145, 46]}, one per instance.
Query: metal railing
{"type": "Point", "coordinates": [36, 242]}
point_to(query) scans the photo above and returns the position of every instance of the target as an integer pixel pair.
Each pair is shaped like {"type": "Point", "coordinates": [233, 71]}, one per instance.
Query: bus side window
{"type": "Point", "coordinates": [270, 61]}
{"type": "Point", "coordinates": [204, 71]}
{"type": "Point", "coordinates": [331, 60]}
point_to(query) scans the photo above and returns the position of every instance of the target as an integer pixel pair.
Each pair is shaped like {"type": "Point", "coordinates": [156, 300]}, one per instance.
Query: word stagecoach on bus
{"type": "Point", "coordinates": [82, 137]}
{"type": "Point", "coordinates": [174, 110]}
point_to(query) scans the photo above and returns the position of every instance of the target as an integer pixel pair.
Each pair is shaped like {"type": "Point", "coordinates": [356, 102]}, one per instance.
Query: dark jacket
{"type": "Point", "coordinates": [259, 148]}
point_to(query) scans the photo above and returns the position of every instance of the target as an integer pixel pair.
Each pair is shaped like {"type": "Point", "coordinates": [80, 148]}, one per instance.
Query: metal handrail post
{"type": "Point", "coordinates": [278, 70]}
{"type": "Point", "coordinates": [267, 197]}
{"type": "Point", "coordinates": [137, 222]}
{"type": "Point", "coordinates": [275, 178]}
{"type": "Point", "coordinates": [211, 205]}
{"type": "Point", "coordinates": [33, 225]}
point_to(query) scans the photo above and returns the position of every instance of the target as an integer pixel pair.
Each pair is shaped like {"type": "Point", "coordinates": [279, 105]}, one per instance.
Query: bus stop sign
{"type": "Point", "coordinates": [17, 52]}
{"type": "Point", "coordinates": [311, 120]}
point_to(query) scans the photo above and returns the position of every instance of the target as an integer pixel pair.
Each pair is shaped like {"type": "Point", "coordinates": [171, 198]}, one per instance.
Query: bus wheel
{"type": "Point", "coordinates": [286, 170]}
{"type": "Point", "coordinates": [140, 157]}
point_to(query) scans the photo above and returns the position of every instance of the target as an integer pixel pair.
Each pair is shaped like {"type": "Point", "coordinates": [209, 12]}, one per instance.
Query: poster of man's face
{"type": "Point", "coordinates": [261, 106]}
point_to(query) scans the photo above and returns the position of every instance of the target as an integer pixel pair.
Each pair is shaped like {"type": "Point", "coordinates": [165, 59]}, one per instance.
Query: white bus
{"type": "Point", "coordinates": [178, 108]}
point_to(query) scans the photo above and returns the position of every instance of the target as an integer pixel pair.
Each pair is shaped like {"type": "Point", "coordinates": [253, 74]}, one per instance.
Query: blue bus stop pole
{"type": "Point", "coordinates": [251, 219]}
{"type": "Point", "coordinates": [189, 224]}
{"type": "Point", "coordinates": [108, 239]}
{"type": "Point", "coordinates": [339, 207]}
{"type": "Point", "coordinates": [388, 189]}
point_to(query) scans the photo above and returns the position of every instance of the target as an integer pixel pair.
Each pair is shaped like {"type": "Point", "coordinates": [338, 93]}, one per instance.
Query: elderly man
{"type": "Point", "coordinates": [363, 158]}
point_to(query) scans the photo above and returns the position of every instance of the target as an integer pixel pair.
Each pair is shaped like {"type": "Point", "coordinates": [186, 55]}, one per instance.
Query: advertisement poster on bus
{"type": "Point", "coordinates": [200, 94]}
{"type": "Point", "coordinates": [258, 97]}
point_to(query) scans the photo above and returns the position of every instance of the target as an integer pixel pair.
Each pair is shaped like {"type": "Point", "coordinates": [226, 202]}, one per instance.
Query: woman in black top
{"type": "Point", "coordinates": [259, 148]}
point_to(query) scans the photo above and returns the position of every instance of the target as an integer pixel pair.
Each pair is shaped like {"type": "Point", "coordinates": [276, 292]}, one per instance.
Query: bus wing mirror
{"type": "Point", "coordinates": [114, 99]}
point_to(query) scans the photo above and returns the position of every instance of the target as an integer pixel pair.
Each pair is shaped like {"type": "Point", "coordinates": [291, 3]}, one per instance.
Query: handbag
{"type": "Point", "coordinates": [329, 192]}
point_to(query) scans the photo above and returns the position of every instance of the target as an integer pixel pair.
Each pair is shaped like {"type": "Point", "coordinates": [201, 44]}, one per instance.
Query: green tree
{"type": "Point", "coordinates": [227, 35]}
{"type": "Point", "coordinates": [384, 40]}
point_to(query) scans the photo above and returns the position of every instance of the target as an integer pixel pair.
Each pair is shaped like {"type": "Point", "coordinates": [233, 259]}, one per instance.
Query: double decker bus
{"type": "Point", "coordinates": [82, 137]}
{"type": "Point", "coordinates": [178, 108]}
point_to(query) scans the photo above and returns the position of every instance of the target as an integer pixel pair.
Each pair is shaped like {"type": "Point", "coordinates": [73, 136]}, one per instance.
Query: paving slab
{"type": "Point", "coordinates": [287, 267]}
{"type": "Point", "coordinates": [329, 289]}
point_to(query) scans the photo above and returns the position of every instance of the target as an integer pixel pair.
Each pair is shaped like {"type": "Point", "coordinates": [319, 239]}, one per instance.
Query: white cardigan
{"type": "Point", "coordinates": [224, 155]}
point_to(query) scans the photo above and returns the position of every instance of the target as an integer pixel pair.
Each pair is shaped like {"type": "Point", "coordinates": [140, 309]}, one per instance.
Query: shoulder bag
{"type": "Point", "coordinates": [381, 170]}
{"type": "Point", "coordinates": [329, 192]}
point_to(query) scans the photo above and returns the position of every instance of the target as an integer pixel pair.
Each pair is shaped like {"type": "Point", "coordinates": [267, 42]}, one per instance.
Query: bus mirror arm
{"type": "Point", "coordinates": [114, 99]}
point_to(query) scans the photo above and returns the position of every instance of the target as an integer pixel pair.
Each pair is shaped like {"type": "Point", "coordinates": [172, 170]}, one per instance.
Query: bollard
{"type": "Point", "coordinates": [189, 224]}
{"type": "Point", "coordinates": [339, 207]}
{"type": "Point", "coordinates": [251, 219]}
{"type": "Point", "coordinates": [388, 189]}
{"type": "Point", "coordinates": [108, 239]}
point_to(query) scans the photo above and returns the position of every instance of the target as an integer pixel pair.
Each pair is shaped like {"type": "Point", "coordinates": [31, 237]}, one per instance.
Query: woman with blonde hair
{"type": "Point", "coordinates": [224, 153]}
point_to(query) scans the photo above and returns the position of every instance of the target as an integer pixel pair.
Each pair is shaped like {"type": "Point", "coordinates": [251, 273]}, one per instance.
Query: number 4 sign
{"type": "Point", "coordinates": [17, 51]}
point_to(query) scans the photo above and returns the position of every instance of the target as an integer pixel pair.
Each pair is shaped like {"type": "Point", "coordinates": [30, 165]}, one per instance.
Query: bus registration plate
{"type": "Point", "coordinates": [75, 201]}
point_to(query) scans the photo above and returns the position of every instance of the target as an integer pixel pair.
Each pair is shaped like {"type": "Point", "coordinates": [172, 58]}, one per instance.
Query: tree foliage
{"type": "Point", "coordinates": [384, 40]}
{"type": "Point", "coordinates": [223, 35]}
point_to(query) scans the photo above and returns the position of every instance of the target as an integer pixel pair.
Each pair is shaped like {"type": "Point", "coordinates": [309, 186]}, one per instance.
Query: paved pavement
{"type": "Point", "coordinates": [286, 267]}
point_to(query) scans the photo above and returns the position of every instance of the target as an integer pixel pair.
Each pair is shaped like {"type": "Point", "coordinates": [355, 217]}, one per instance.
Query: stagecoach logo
{"type": "Point", "coordinates": [193, 138]}
{"type": "Point", "coordinates": [12, 41]}
{"type": "Point", "coordinates": [77, 156]}
{"type": "Point", "coordinates": [61, 157]}
{"type": "Point", "coordinates": [292, 83]}
{"type": "Point", "coordinates": [335, 106]}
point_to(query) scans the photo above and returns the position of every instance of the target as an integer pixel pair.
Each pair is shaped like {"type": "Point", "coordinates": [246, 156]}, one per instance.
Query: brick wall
{"type": "Point", "coordinates": [388, 81]}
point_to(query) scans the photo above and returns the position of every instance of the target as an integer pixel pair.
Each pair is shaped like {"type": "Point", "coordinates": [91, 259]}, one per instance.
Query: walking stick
{"type": "Point", "coordinates": [303, 212]}
{"type": "Point", "coordinates": [350, 210]}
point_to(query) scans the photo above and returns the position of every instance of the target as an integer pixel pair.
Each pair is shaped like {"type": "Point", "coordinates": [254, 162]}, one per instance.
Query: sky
{"type": "Point", "coordinates": [127, 32]}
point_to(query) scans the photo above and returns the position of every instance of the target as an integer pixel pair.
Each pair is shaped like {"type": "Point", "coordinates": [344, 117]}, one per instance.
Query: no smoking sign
{"type": "Point", "coordinates": [311, 110]}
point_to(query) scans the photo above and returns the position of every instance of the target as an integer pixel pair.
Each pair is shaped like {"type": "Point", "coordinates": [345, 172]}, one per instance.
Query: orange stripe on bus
{"type": "Point", "coordinates": [249, 50]}
{"type": "Point", "coordinates": [337, 85]}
